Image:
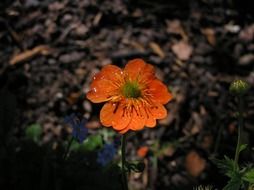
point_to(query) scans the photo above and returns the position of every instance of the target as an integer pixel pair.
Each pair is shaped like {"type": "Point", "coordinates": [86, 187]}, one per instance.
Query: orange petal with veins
{"type": "Point", "coordinates": [138, 119]}
{"type": "Point", "coordinates": [159, 92]}
{"type": "Point", "coordinates": [109, 72]}
{"type": "Point", "coordinates": [106, 114]}
{"type": "Point", "coordinates": [158, 111]}
{"type": "Point", "coordinates": [102, 91]}
{"type": "Point", "coordinates": [112, 114]}
{"type": "Point", "coordinates": [150, 122]}
{"type": "Point", "coordinates": [148, 74]}
{"type": "Point", "coordinates": [104, 84]}
{"type": "Point", "coordinates": [133, 69]}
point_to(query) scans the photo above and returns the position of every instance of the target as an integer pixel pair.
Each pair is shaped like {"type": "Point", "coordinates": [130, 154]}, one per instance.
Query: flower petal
{"type": "Point", "coordinates": [124, 130]}
{"type": "Point", "coordinates": [106, 114]}
{"type": "Point", "coordinates": [102, 91]}
{"type": "Point", "coordinates": [109, 72]}
{"type": "Point", "coordinates": [112, 114]}
{"type": "Point", "coordinates": [157, 111]}
{"type": "Point", "coordinates": [147, 73]}
{"type": "Point", "coordinates": [138, 119]}
{"type": "Point", "coordinates": [150, 122]}
{"type": "Point", "coordinates": [133, 68]}
{"type": "Point", "coordinates": [159, 92]}
{"type": "Point", "coordinates": [105, 84]}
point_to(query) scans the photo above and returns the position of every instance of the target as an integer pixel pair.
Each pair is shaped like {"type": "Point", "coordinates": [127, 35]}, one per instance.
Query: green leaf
{"type": "Point", "coordinates": [249, 176]}
{"type": "Point", "coordinates": [242, 147]}
{"type": "Point", "coordinates": [227, 166]}
{"type": "Point", "coordinates": [235, 182]}
{"type": "Point", "coordinates": [91, 143]}
{"type": "Point", "coordinates": [33, 132]}
{"type": "Point", "coordinates": [74, 146]}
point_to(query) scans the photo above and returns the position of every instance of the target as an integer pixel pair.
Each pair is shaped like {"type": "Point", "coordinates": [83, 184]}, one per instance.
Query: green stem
{"type": "Point", "coordinates": [68, 148]}
{"type": "Point", "coordinates": [123, 147]}
{"type": "Point", "coordinates": [240, 126]}
{"type": "Point", "coordinates": [154, 172]}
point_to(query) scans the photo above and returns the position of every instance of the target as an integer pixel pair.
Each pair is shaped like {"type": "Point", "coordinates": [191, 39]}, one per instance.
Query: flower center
{"type": "Point", "coordinates": [131, 90]}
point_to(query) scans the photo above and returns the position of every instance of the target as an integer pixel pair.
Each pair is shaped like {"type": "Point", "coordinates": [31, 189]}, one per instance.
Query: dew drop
{"type": "Point", "coordinates": [94, 89]}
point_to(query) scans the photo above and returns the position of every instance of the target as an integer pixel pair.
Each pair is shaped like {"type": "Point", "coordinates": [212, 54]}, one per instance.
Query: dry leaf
{"type": "Point", "coordinates": [145, 176]}
{"type": "Point", "coordinates": [157, 49]}
{"type": "Point", "coordinates": [175, 27]}
{"type": "Point", "coordinates": [97, 19]}
{"type": "Point", "coordinates": [137, 46]}
{"type": "Point", "coordinates": [73, 97]}
{"type": "Point", "coordinates": [56, 6]}
{"type": "Point", "coordinates": [182, 50]}
{"type": "Point", "coordinates": [232, 128]}
{"type": "Point", "coordinates": [197, 123]}
{"type": "Point", "coordinates": [233, 28]}
{"type": "Point", "coordinates": [81, 30]}
{"type": "Point", "coordinates": [207, 141]}
{"type": "Point", "coordinates": [247, 34]}
{"type": "Point", "coordinates": [246, 59]}
{"type": "Point", "coordinates": [137, 13]}
{"type": "Point", "coordinates": [93, 125]}
{"type": "Point", "coordinates": [28, 54]}
{"type": "Point", "coordinates": [169, 151]}
{"type": "Point", "coordinates": [194, 163]}
{"type": "Point", "coordinates": [212, 94]}
{"type": "Point", "coordinates": [210, 35]}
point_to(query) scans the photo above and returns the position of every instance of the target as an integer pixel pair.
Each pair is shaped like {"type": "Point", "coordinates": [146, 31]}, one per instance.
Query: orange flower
{"type": "Point", "coordinates": [134, 96]}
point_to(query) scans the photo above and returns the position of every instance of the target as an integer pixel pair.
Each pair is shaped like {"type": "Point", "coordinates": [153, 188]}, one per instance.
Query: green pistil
{"type": "Point", "coordinates": [131, 90]}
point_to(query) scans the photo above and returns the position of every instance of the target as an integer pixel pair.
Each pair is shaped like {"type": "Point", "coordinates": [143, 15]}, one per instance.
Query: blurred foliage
{"type": "Point", "coordinates": [30, 165]}
{"type": "Point", "coordinates": [34, 132]}
{"type": "Point", "coordinates": [240, 177]}
{"type": "Point", "coordinates": [92, 143]}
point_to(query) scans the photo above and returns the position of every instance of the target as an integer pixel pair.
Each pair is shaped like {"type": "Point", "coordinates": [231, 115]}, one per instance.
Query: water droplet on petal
{"type": "Point", "coordinates": [94, 90]}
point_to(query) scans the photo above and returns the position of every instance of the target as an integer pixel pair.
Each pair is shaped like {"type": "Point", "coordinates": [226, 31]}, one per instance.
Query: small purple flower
{"type": "Point", "coordinates": [106, 154]}
{"type": "Point", "coordinates": [69, 119]}
{"type": "Point", "coordinates": [79, 131]}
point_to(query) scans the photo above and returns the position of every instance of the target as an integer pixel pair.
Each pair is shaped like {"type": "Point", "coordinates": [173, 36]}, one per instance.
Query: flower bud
{"type": "Point", "coordinates": [239, 87]}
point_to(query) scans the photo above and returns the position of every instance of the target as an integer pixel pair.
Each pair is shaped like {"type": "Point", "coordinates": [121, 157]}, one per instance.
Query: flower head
{"type": "Point", "coordinates": [134, 96]}
{"type": "Point", "coordinates": [79, 131]}
{"type": "Point", "coordinates": [106, 154]}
